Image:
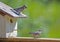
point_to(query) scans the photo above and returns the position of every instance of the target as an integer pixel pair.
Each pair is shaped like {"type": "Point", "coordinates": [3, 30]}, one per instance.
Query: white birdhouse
{"type": "Point", "coordinates": [8, 20]}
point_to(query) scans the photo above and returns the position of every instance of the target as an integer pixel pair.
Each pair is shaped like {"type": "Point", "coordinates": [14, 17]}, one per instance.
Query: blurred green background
{"type": "Point", "coordinates": [42, 14]}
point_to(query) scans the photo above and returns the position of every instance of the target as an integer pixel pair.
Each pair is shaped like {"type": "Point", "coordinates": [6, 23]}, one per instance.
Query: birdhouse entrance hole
{"type": "Point", "coordinates": [11, 21]}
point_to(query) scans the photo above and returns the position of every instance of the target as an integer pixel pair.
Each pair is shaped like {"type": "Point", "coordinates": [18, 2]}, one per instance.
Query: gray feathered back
{"type": "Point", "coordinates": [20, 9]}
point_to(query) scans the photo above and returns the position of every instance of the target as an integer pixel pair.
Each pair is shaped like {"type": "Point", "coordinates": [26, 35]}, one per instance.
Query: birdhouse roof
{"type": "Point", "coordinates": [7, 10]}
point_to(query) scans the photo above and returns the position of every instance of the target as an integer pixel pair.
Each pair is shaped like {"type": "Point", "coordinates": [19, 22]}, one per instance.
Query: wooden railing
{"type": "Point", "coordinates": [29, 40]}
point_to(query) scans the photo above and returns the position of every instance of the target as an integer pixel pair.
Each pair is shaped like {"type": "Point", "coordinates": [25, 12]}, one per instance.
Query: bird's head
{"type": "Point", "coordinates": [24, 6]}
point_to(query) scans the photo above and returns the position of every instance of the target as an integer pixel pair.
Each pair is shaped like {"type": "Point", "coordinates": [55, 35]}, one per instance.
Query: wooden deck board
{"type": "Point", "coordinates": [29, 39]}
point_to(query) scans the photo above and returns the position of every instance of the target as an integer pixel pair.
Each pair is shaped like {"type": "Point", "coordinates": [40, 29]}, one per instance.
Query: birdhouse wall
{"type": "Point", "coordinates": [2, 27]}
{"type": "Point", "coordinates": [7, 25]}
{"type": "Point", "coordinates": [10, 24]}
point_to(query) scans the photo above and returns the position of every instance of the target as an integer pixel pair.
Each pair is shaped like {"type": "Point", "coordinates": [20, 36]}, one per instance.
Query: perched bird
{"type": "Point", "coordinates": [18, 10]}
{"type": "Point", "coordinates": [36, 34]}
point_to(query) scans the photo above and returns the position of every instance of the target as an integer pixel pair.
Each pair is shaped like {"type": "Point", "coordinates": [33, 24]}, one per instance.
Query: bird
{"type": "Point", "coordinates": [18, 10]}
{"type": "Point", "coordinates": [36, 34]}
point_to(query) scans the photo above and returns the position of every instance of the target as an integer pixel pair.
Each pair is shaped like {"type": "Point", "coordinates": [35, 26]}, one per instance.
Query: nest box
{"type": "Point", "coordinates": [8, 19]}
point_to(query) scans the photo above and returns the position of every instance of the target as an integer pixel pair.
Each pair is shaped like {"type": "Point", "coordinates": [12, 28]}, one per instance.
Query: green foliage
{"type": "Point", "coordinates": [42, 14]}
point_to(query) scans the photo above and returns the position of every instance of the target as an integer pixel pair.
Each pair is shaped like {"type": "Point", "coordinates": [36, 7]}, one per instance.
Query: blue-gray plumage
{"type": "Point", "coordinates": [18, 10]}
{"type": "Point", "coordinates": [36, 34]}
